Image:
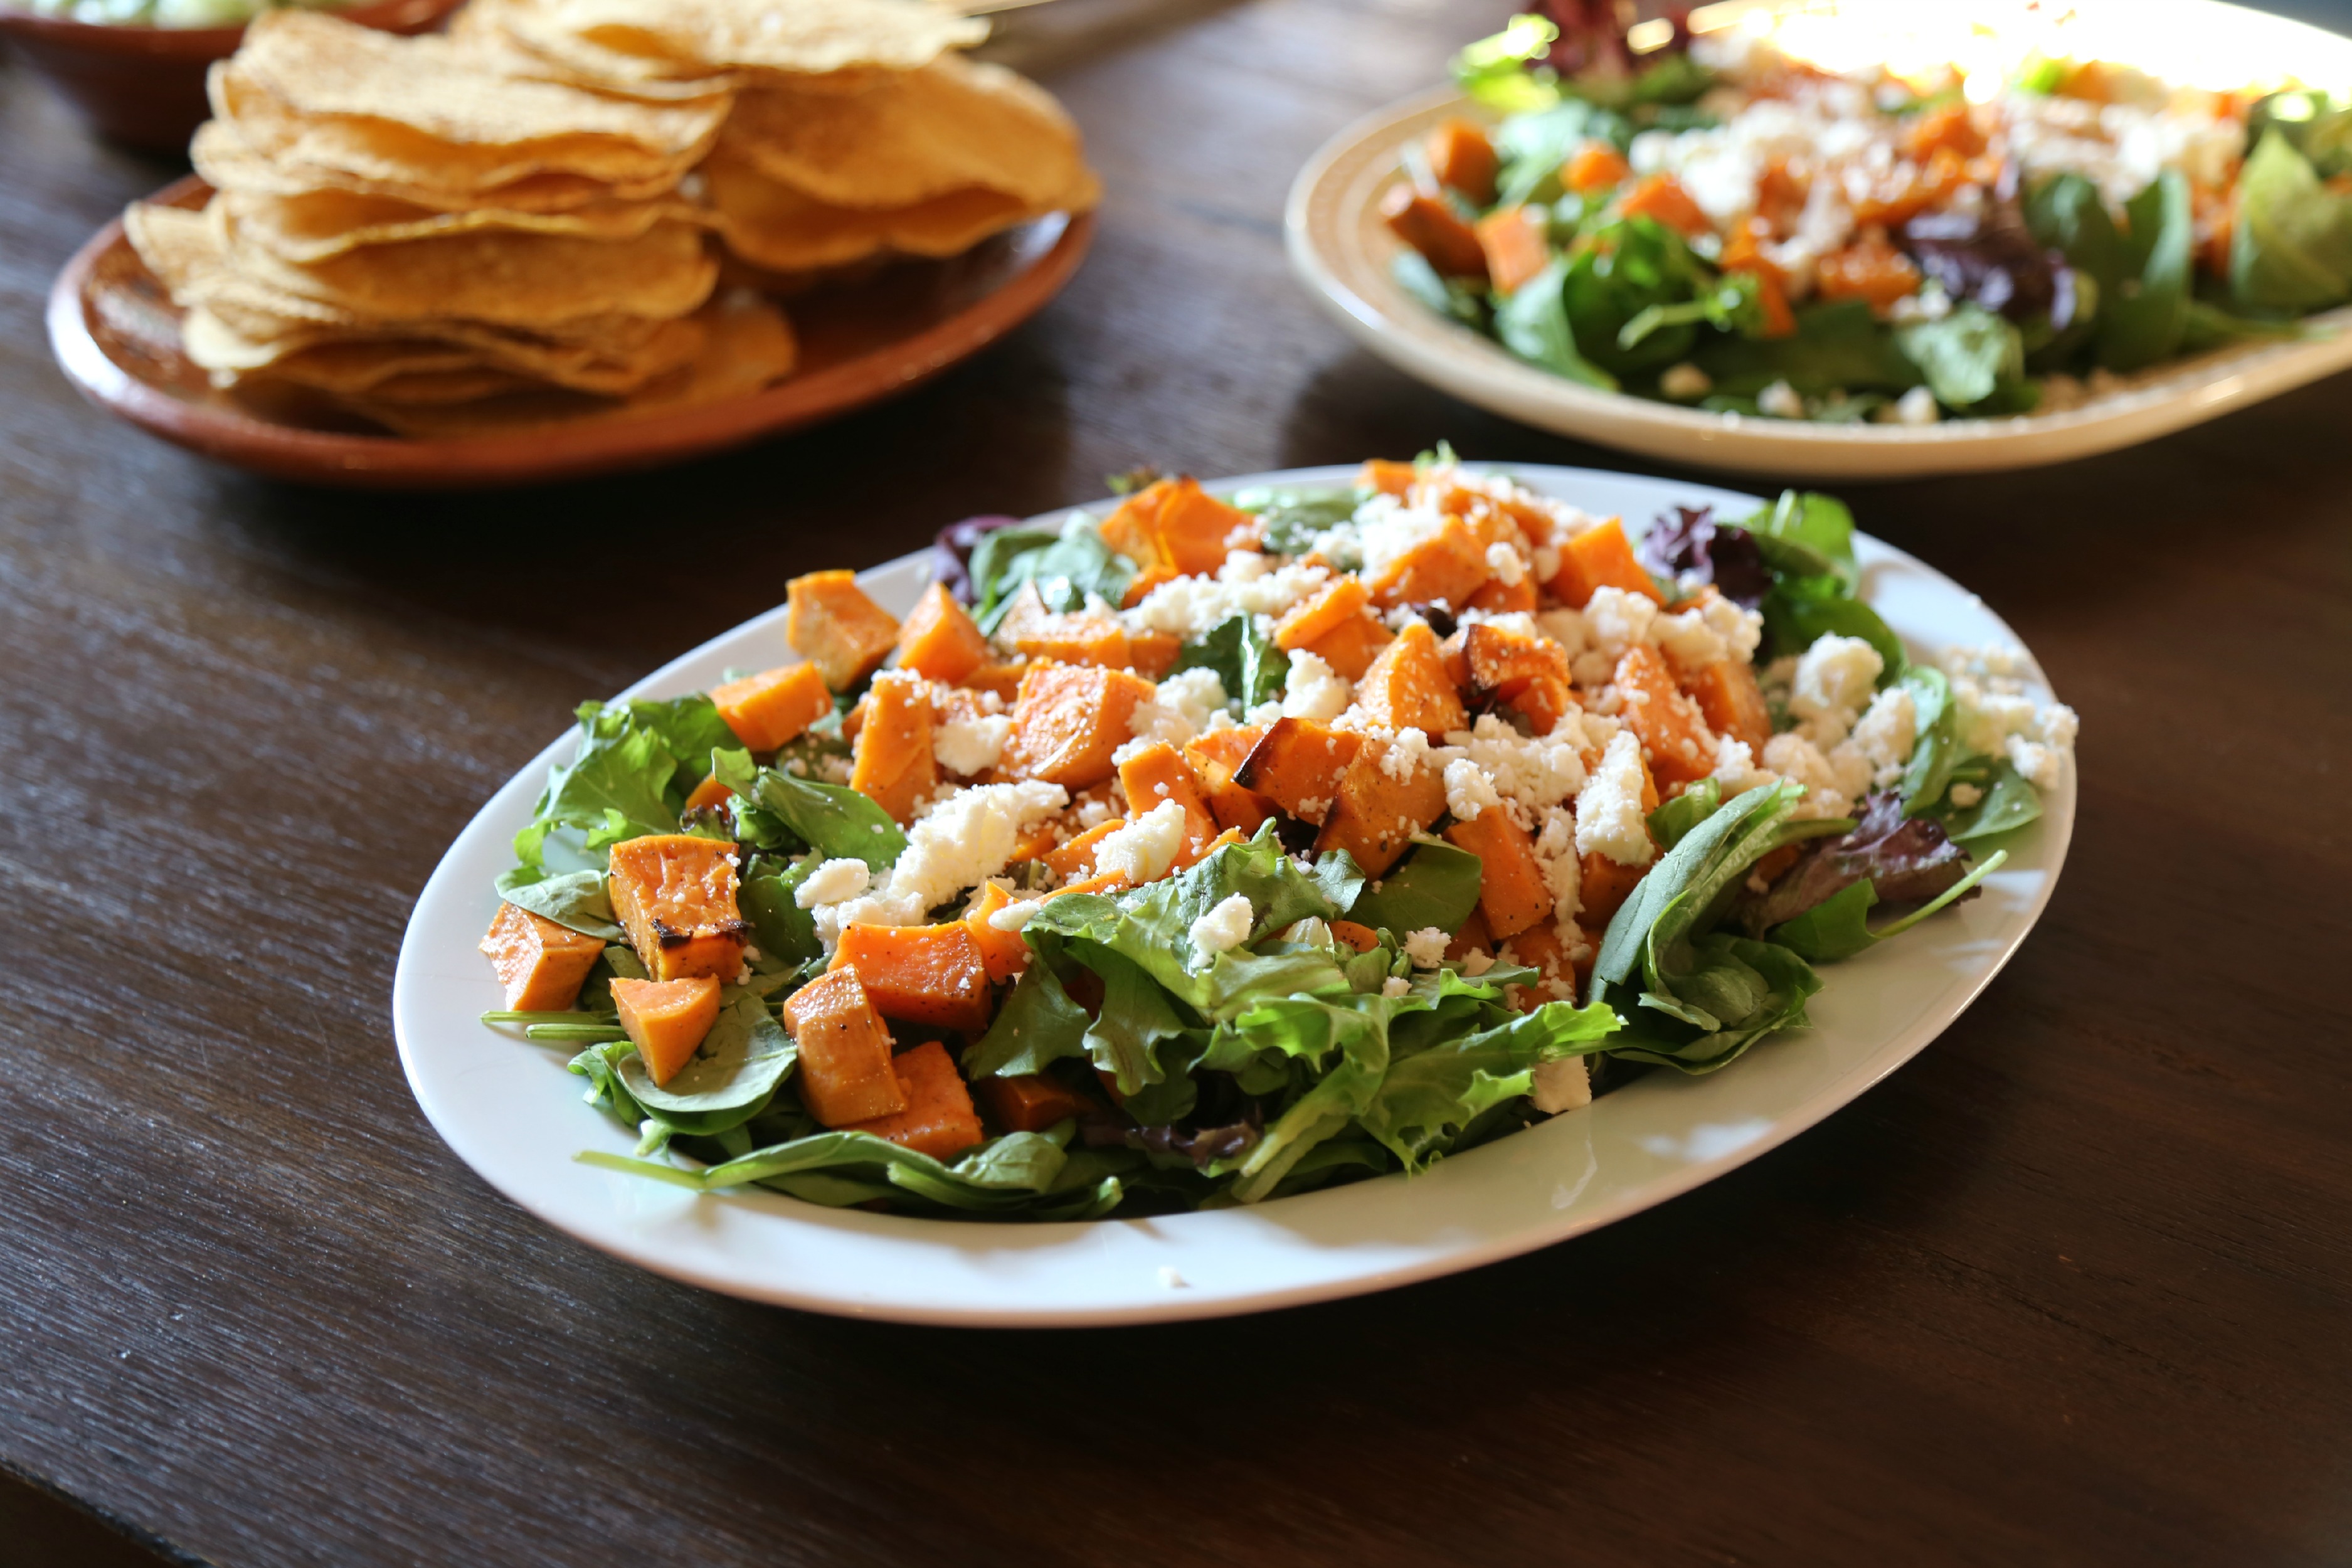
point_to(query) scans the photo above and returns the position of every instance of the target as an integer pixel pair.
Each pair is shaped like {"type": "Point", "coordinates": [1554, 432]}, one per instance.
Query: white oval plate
{"type": "Point", "coordinates": [1339, 246]}
{"type": "Point", "coordinates": [511, 1112]}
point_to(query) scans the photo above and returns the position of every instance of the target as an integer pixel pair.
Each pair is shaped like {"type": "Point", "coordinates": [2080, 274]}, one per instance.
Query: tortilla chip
{"type": "Point", "coordinates": [950, 126]}
{"type": "Point", "coordinates": [806, 37]}
{"type": "Point", "coordinates": [506, 278]}
{"type": "Point", "coordinates": [321, 224]}
{"type": "Point", "coordinates": [229, 163]}
{"type": "Point", "coordinates": [321, 67]}
{"type": "Point", "coordinates": [477, 30]}
{"type": "Point", "coordinates": [774, 227]}
{"type": "Point", "coordinates": [338, 360]}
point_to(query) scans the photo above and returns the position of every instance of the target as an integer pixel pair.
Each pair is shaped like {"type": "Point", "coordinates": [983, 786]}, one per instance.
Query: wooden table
{"type": "Point", "coordinates": [2075, 1286]}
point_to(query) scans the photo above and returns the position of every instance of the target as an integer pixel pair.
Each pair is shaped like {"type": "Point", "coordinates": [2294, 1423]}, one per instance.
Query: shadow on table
{"type": "Point", "coordinates": [43, 1531]}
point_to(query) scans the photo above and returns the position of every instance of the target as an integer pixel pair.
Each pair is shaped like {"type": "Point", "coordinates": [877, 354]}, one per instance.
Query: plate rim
{"type": "Point", "coordinates": [1175, 1305]}
{"type": "Point", "coordinates": [1467, 365]}
{"type": "Point", "coordinates": [541, 456]}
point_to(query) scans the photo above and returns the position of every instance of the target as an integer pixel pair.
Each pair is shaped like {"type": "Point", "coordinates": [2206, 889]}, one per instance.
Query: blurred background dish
{"type": "Point", "coordinates": [143, 85]}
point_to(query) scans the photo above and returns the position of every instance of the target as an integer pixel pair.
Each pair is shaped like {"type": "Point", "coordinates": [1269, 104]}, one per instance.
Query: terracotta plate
{"type": "Point", "coordinates": [116, 334]}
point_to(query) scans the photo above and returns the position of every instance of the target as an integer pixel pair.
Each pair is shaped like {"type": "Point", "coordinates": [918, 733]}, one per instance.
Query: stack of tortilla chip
{"type": "Point", "coordinates": [855, 134]}
{"type": "Point", "coordinates": [443, 246]}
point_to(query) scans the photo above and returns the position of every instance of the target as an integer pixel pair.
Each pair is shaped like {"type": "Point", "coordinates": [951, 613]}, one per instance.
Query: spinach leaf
{"type": "Point", "coordinates": [1634, 267]}
{"type": "Point", "coordinates": [1968, 355]}
{"type": "Point", "coordinates": [1532, 322]}
{"type": "Point", "coordinates": [1729, 304]}
{"type": "Point", "coordinates": [1465, 303]}
{"type": "Point", "coordinates": [2142, 321]}
{"type": "Point", "coordinates": [991, 1180]}
{"type": "Point", "coordinates": [575, 900]}
{"type": "Point", "coordinates": [1245, 659]}
{"type": "Point", "coordinates": [1836, 929]}
{"type": "Point", "coordinates": [1750, 989]}
{"type": "Point", "coordinates": [1293, 517]}
{"type": "Point", "coordinates": [1066, 569]}
{"type": "Point", "coordinates": [1675, 818]}
{"type": "Point", "coordinates": [730, 1077]}
{"type": "Point", "coordinates": [785, 931]}
{"type": "Point", "coordinates": [1437, 885]}
{"type": "Point", "coordinates": [2009, 801]}
{"type": "Point", "coordinates": [1803, 527]}
{"type": "Point", "coordinates": [619, 784]}
{"type": "Point", "coordinates": [1037, 1025]}
{"type": "Point", "coordinates": [2066, 214]}
{"type": "Point", "coordinates": [1936, 751]}
{"type": "Point", "coordinates": [1840, 345]}
{"type": "Point", "coordinates": [1799, 610]}
{"type": "Point", "coordinates": [1533, 147]}
{"type": "Point", "coordinates": [2291, 246]}
{"type": "Point", "coordinates": [833, 818]}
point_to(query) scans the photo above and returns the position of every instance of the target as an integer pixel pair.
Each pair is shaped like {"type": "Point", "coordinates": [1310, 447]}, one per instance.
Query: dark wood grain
{"type": "Point", "coordinates": [2073, 1288]}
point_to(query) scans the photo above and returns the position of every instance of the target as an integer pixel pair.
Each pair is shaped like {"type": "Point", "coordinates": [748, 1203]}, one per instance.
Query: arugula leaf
{"type": "Point", "coordinates": [618, 785]}
{"type": "Point", "coordinates": [575, 900]}
{"type": "Point", "coordinates": [2291, 246]}
{"type": "Point", "coordinates": [1020, 1180]}
{"type": "Point", "coordinates": [1067, 567]}
{"type": "Point", "coordinates": [2142, 321]}
{"type": "Point", "coordinates": [730, 1077]}
{"type": "Point", "coordinates": [1244, 658]}
{"type": "Point", "coordinates": [1292, 518]}
{"type": "Point", "coordinates": [833, 818]}
{"type": "Point", "coordinates": [1532, 322]}
{"type": "Point", "coordinates": [688, 726]}
{"type": "Point", "coordinates": [1966, 355]}
{"type": "Point", "coordinates": [1836, 929]}
{"type": "Point", "coordinates": [2009, 803]}
{"type": "Point", "coordinates": [1437, 885]}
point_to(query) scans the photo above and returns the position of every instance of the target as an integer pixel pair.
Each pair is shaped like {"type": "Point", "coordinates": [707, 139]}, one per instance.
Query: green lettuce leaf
{"type": "Point", "coordinates": [621, 784]}
{"type": "Point", "coordinates": [1427, 1098]}
{"type": "Point", "coordinates": [1066, 568]}
{"type": "Point", "coordinates": [1969, 356]}
{"type": "Point", "coordinates": [2292, 248]}
{"type": "Point", "coordinates": [575, 900]}
{"type": "Point", "coordinates": [1836, 346]}
{"type": "Point", "coordinates": [1836, 928]}
{"type": "Point", "coordinates": [2142, 321]}
{"type": "Point", "coordinates": [1037, 1025]}
{"type": "Point", "coordinates": [1799, 610]}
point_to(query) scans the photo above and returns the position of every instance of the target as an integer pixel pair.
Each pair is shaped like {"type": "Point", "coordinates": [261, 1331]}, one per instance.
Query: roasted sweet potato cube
{"type": "Point", "coordinates": [1067, 637]}
{"type": "Point", "coordinates": [1152, 654]}
{"type": "Point", "coordinates": [1028, 1102]}
{"type": "Point", "coordinates": [666, 1019]}
{"type": "Point", "coordinates": [1140, 586]}
{"type": "Point", "coordinates": [845, 1066]}
{"type": "Point", "coordinates": [1351, 646]}
{"type": "Point", "coordinates": [1298, 765]}
{"type": "Point", "coordinates": [542, 964]}
{"type": "Point", "coordinates": [771, 709]}
{"type": "Point", "coordinates": [1501, 598]}
{"type": "Point", "coordinates": [1004, 952]}
{"type": "Point", "coordinates": [938, 1119]}
{"type": "Point", "coordinates": [1004, 679]}
{"type": "Point", "coordinates": [1528, 673]}
{"type": "Point", "coordinates": [1377, 812]}
{"type": "Point", "coordinates": [1603, 884]}
{"type": "Point", "coordinates": [1074, 861]}
{"type": "Point", "coordinates": [1472, 937]}
{"type": "Point", "coordinates": [1446, 568]}
{"type": "Point", "coordinates": [1160, 772]}
{"type": "Point", "coordinates": [1518, 245]}
{"type": "Point", "coordinates": [1461, 156]}
{"type": "Point", "coordinates": [1215, 757]}
{"type": "Point", "coordinates": [1385, 475]}
{"type": "Point", "coordinates": [1362, 938]}
{"type": "Point", "coordinates": [1681, 746]}
{"type": "Point", "coordinates": [1174, 526]}
{"type": "Point", "coordinates": [707, 795]}
{"type": "Point", "coordinates": [1068, 720]}
{"type": "Point", "coordinates": [1427, 224]}
{"type": "Point", "coordinates": [1512, 892]}
{"type": "Point", "coordinates": [941, 641]}
{"type": "Point", "coordinates": [892, 764]}
{"type": "Point", "coordinates": [1407, 687]}
{"type": "Point", "coordinates": [1731, 701]}
{"type": "Point", "coordinates": [920, 974]}
{"type": "Point", "coordinates": [1599, 557]}
{"type": "Point", "coordinates": [1540, 948]}
{"type": "Point", "coordinates": [675, 895]}
{"type": "Point", "coordinates": [1343, 598]}
{"type": "Point", "coordinates": [831, 622]}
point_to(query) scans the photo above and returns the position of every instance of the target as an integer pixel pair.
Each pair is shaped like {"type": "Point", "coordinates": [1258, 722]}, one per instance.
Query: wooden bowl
{"type": "Point", "coordinates": [144, 87]}
{"type": "Point", "coordinates": [116, 334]}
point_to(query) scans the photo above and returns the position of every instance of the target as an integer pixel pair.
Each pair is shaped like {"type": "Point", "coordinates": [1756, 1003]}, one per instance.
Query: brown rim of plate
{"type": "Point", "coordinates": [1050, 249]}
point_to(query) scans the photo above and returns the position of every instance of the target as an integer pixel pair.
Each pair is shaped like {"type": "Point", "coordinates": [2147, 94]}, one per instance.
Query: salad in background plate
{"type": "Point", "coordinates": [1221, 848]}
{"type": "Point", "coordinates": [1803, 216]}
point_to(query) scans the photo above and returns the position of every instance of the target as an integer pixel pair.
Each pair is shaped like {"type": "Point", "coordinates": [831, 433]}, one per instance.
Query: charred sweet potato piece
{"type": "Point", "coordinates": [1215, 757]}
{"type": "Point", "coordinates": [666, 1019]}
{"type": "Point", "coordinates": [1603, 884]}
{"type": "Point", "coordinates": [938, 1119]}
{"type": "Point", "coordinates": [542, 964]}
{"type": "Point", "coordinates": [1004, 953]}
{"type": "Point", "coordinates": [1341, 599]}
{"type": "Point", "coordinates": [1461, 156]}
{"type": "Point", "coordinates": [1599, 557]}
{"type": "Point", "coordinates": [831, 622]}
{"type": "Point", "coordinates": [1407, 687]}
{"type": "Point", "coordinates": [941, 641]}
{"type": "Point", "coordinates": [1731, 701]}
{"type": "Point", "coordinates": [1518, 245]}
{"type": "Point", "coordinates": [1376, 814]}
{"type": "Point", "coordinates": [1074, 861]}
{"type": "Point", "coordinates": [1527, 673]}
{"type": "Point", "coordinates": [1298, 766]}
{"type": "Point", "coordinates": [892, 764]}
{"type": "Point", "coordinates": [1428, 225]}
{"type": "Point", "coordinates": [1028, 1102]}
{"type": "Point", "coordinates": [1512, 893]}
{"type": "Point", "coordinates": [1446, 568]}
{"type": "Point", "coordinates": [675, 895]}
{"type": "Point", "coordinates": [772, 707]}
{"type": "Point", "coordinates": [922, 975]}
{"type": "Point", "coordinates": [1067, 722]}
{"type": "Point", "coordinates": [1681, 746]}
{"type": "Point", "coordinates": [1174, 526]}
{"type": "Point", "coordinates": [1160, 772]}
{"type": "Point", "coordinates": [845, 1066]}
{"type": "Point", "coordinates": [1066, 638]}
